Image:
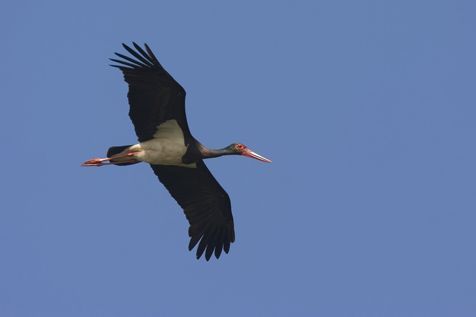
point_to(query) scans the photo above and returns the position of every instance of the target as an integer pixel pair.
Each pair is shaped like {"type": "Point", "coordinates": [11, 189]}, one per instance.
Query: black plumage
{"type": "Point", "coordinates": [155, 97]}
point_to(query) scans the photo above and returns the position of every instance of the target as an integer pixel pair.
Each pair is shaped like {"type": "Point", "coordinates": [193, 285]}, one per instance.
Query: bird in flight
{"type": "Point", "coordinates": [157, 111]}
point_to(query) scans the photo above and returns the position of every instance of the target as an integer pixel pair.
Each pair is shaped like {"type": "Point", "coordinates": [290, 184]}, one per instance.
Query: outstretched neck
{"type": "Point", "coordinates": [211, 153]}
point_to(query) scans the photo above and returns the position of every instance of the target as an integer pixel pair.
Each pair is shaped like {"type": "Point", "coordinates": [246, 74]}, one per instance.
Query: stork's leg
{"type": "Point", "coordinates": [97, 162]}
{"type": "Point", "coordinates": [107, 160]}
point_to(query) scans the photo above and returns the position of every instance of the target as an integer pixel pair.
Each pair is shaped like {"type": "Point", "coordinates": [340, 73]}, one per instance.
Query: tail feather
{"type": "Point", "coordinates": [116, 150]}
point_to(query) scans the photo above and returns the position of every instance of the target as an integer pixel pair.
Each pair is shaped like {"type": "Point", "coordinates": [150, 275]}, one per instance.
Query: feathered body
{"type": "Point", "coordinates": [157, 110]}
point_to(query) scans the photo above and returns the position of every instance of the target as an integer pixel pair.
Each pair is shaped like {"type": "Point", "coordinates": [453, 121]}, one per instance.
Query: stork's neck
{"type": "Point", "coordinates": [211, 153]}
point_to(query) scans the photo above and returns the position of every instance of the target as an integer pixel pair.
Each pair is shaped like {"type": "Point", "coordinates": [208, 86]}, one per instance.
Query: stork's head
{"type": "Point", "coordinates": [241, 149]}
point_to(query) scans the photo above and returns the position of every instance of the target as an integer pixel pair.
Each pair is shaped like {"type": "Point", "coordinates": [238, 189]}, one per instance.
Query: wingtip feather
{"type": "Point", "coordinates": [139, 55]}
{"type": "Point", "coordinates": [193, 242]}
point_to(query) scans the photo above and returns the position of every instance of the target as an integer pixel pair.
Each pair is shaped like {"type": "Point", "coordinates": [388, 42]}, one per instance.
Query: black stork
{"type": "Point", "coordinates": [157, 111]}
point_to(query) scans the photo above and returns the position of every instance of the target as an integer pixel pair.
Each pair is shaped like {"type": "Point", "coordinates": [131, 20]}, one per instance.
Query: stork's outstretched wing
{"type": "Point", "coordinates": [154, 96]}
{"type": "Point", "coordinates": [206, 206]}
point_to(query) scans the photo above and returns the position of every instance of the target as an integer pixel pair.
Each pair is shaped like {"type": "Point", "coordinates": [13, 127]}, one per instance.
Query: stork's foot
{"type": "Point", "coordinates": [97, 162]}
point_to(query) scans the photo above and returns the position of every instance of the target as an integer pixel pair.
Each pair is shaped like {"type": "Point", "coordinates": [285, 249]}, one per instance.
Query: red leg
{"type": "Point", "coordinates": [105, 161]}
{"type": "Point", "coordinates": [97, 162]}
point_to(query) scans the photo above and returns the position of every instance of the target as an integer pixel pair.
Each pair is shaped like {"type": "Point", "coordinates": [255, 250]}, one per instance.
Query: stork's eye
{"type": "Point", "coordinates": [240, 146]}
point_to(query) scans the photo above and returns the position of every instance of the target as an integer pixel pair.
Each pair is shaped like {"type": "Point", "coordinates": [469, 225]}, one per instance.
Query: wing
{"type": "Point", "coordinates": [206, 206]}
{"type": "Point", "coordinates": [154, 96]}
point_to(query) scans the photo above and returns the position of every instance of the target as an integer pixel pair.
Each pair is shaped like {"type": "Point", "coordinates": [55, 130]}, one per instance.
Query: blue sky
{"type": "Point", "coordinates": [367, 109]}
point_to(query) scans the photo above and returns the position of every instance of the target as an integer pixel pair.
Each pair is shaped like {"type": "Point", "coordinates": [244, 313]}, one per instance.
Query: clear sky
{"type": "Point", "coordinates": [367, 109]}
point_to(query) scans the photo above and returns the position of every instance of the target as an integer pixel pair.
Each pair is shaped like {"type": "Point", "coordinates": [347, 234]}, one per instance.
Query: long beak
{"type": "Point", "coordinates": [254, 155]}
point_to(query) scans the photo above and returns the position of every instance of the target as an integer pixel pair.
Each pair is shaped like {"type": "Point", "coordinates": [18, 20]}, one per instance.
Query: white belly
{"type": "Point", "coordinates": [162, 152]}
{"type": "Point", "coordinates": [166, 148]}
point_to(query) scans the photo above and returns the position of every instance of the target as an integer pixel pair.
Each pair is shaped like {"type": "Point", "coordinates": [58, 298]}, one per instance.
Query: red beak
{"type": "Point", "coordinates": [249, 153]}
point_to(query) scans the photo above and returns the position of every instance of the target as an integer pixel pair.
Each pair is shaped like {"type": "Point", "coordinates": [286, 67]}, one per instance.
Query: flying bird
{"type": "Point", "coordinates": [157, 111]}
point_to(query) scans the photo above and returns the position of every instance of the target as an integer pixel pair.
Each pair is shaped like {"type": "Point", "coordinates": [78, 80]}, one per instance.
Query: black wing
{"type": "Point", "coordinates": [154, 96]}
{"type": "Point", "coordinates": [206, 206]}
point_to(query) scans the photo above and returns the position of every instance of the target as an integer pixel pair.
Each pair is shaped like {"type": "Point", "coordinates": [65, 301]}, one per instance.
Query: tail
{"type": "Point", "coordinates": [113, 150]}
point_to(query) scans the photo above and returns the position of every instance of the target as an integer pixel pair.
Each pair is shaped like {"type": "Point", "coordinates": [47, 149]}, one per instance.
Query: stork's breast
{"type": "Point", "coordinates": [167, 147]}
